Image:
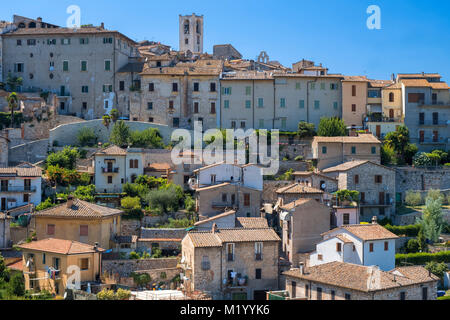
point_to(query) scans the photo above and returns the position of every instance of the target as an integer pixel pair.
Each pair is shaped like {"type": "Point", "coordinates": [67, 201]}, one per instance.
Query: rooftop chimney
{"type": "Point", "coordinates": [69, 202]}
{"type": "Point", "coordinates": [302, 268]}
{"type": "Point", "coordinates": [374, 220]}
{"type": "Point", "coordinates": [215, 228]}
{"type": "Point", "coordinates": [102, 25]}
{"type": "Point", "coordinates": [96, 246]}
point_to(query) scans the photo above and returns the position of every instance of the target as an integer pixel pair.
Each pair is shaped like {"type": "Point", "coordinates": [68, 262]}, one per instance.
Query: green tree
{"type": "Point", "coordinates": [66, 158]}
{"type": "Point", "coordinates": [435, 194]}
{"type": "Point", "coordinates": [135, 189]}
{"type": "Point", "coordinates": [423, 246]}
{"type": "Point", "coordinates": [399, 140]}
{"type": "Point", "coordinates": [422, 160]}
{"type": "Point", "coordinates": [332, 127]}
{"type": "Point", "coordinates": [86, 137]}
{"type": "Point", "coordinates": [413, 246]}
{"type": "Point", "coordinates": [306, 130]}
{"type": "Point", "coordinates": [387, 154]}
{"type": "Point", "coordinates": [149, 138]}
{"type": "Point", "coordinates": [413, 198]}
{"type": "Point", "coordinates": [438, 269]}
{"type": "Point", "coordinates": [432, 219]}
{"type": "Point", "coordinates": [106, 120]}
{"type": "Point", "coordinates": [16, 285]}
{"type": "Point", "coordinates": [120, 134]}
{"type": "Point", "coordinates": [162, 201]}
{"type": "Point", "coordinates": [114, 114]}
{"type": "Point", "coordinates": [141, 279]}
{"type": "Point", "coordinates": [85, 193]}
{"type": "Point", "coordinates": [13, 102]}
{"type": "Point", "coordinates": [4, 273]}
{"type": "Point", "coordinates": [13, 82]}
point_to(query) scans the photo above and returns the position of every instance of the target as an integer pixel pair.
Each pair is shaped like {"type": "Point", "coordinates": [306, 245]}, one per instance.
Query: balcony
{"type": "Point", "coordinates": [375, 118]}
{"type": "Point", "coordinates": [433, 140]}
{"type": "Point", "coordinates": [427, 123]}
{"type": "Point", "coordinates": [434, 104]}
{"type": "Point", "coordinates": [222, 205]}
{"type": "Point", "coordinates": [373, 203]}
{"type": "Point", "coordinates": [110, 170]}
{"type": "Point", "coordinates": [17, 189]}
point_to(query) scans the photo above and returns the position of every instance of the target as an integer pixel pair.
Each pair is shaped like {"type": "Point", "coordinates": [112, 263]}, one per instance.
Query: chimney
{"type": "Point", "coordinates": [374, 220]}
{"type": "Point", "coordinates": [423, 73]}
{"type": "Point", "coordinates": [302, 268]}
{"type": "Point", "coordinates": [96, 246]}
{"type": "Point", "coordinates": [102, 25]}
{"type": "Point", "coordinates": [69, 202]}
{"type": "Point", "coordinates": [215, 228]}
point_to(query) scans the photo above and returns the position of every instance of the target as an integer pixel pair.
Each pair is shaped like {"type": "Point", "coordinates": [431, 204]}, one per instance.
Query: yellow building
{"type": "Point", "coordinates": [48, 264]}
{"type": "Point", "coordinates": [79, 221]}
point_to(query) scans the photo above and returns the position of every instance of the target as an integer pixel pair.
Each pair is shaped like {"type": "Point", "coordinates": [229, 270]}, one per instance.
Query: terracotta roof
{"type": "Point", "coordinates": [397, 85]}
{"type": "Point", "coordinates": [301, 75]}
{"type": "Point", "coordinates": [248, 75]}
{"type": "Point", "coordinates": [217, 239]}
{"type": "Point", "coordinates": [361, 278]}
{"type": "Point", "coordinates": [416, 83]}
{"type": "Point", "coordinates": [112, 151]}
{"type": "Point", "coordinates": [366, 232]}
{"type": "Point", "coordinates": [355, 78]}
{"type": "Point", "coordinates": [163, 166]}
{"type": "Point", "coordinates": [222, 215]}
{"type": "Point", "coordinates": [17, 266]}
{"type": "Point", "coordinates": [21, 171]}
{"type": "Point", "coordinates": [213, 187]}
{"type": "Point", "coordinates": [363, 138]}
{"type": "Point", "coordinates": [380, 83]}
{"type": "Point", "coordinates": [299, 188]}
{"type": "Point", "coordinates": [296, 203]}
{"type": "Point", "coordinates": [419, 75]}
{"type": "Point", "coordinates": [352, 164]}
{"type": "Point", "coordinates": [439, 86]}
{"type": "Point", "coordinates": [79, 210]}
{"type": "Point", "coordinates": [60, 246]}
{"type": "Point", "coordinates": [252, 223]}
{"type": "Point", "coordinates": [159, 240]}
{"type": "Point", "coordinates": [344, 238]}
{"type": "Point", "coordinates": [197, 68]}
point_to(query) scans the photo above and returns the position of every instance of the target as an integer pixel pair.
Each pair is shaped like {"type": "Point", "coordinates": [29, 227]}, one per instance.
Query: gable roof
{"type": "Point", "coordinates": [296, 203]}
{"type": "Point", "coordinates": [366, 232]}
{"type": "Point", "coordinates": [19, 171]}
{"type": "Point", "coordinates": [219, 216]}
{"type": "Point", "coordinates": [79, 210]}
{"type": "Point", "coordinates": [298, 188]}
{"type": "Point", "coordinates": [362, 138]}
{"type": "Point", "coordinates": [60, 246]}
{"type": "Point", "coordinates": [352, 164]}
{"type": "Point", "coordinates": [363, 278]}
{"type": "Point", "coordinates": [252, 223]}
{"type": "Point", "coordinates": [112, 151]}
{"type": "Point", "coordinates": [239, 235]}
{"type": "Point", "coordinates": [311, 173]}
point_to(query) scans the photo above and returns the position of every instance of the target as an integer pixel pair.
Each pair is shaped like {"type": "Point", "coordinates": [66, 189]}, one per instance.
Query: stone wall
{"type": "Point", "coordinates": [295, 165]}
{"type": "Point", "coordinates": [67, 134]}
{"type": "Point", "coordinates": [411, 218]}
{"type": "Point", "coordinates": [269, 195]}
{"type": "Point", "coordinates": [29, 152]}
{"type": "Point", "coordinates": [123, 268]}
{"type": "Point", "coordinates": [18, 234]}
{"type": "Point", "coordinates": [130, 227]}
{"type": "Point", "coordinates": [421, 179]}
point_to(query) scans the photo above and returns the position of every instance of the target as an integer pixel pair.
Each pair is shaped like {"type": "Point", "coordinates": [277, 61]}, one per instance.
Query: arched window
{"type": "Point", "coordinates": [32, 25]}
{"type": "Point", "coordinates": [186, 27]}
{"type": "Point", "coordinates": [22, 25]}
{"type": "Point", "coordinates": [391, 97]}
{"type": "Point", "coordinates": [198, 27]}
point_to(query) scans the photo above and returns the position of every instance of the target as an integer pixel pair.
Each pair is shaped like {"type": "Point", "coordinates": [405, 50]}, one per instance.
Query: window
{"type": "Point", "coordinates": [248, 91]}
{"type": "Point", "coordinates": [348, 296]}
{"type": "Point", "coordinates": [378, 179]}
{"type": "Point", "coordinates": [107, 88]}
{"type": "Point", "coordinates": [107, 65]}
{"type": "Point", "coordinates": [195, 107]}
{"type": "Point", "coordinates": [316, 104]}
{"type": "Point", "coordinates": [84, 230]}
{"type": "Point", "coordinates": [435, 136]}
{"type": "Point", "coordinates": [261, 123]}
{"type": "Point", "coordinates": [174, 87]}
{"type": "Point", "coordinates": [370, 247]}
{"type": "Point", "coordinates": [319, 293]}
{"type": "Point", "coordinates": [416, 97]}
{"type": "Point", "coordinates": [242, 124]}
{"type": "Point", "coordinates": [386, 246]}
{"type": "Point", "coordinates": [226, 91]}
{"type": "Point", "coordinates": [65, 65]}
{"type": "Point", "coordinates": [246, 199]}
{"type": "Point", "coordinates": [83, 65]}
{"type": "Point", "coordinates": [298, 86]}
{"type": "Point", "coordinates": [106, 104]}
{"type": "Point", "coordinates": [258, 251]}
{"type": "Point", "coordinates": [338, 247]}
{"type": "Point", "coordinates": [230, 251]}
{"type": "Point", "coordinates": [421, 118]}
{"type": "Point", "coordinates": [226, 104]}
{"type": "Point", "coordinates": [176, 122]}
{"type": "Point", "coordinates": [435, 118]}
{"type": "Point", "coordinates": [307, 291]}
{"type": "Point", "coordinates": [282, 103]}
{"type": "Point", "coordinates": [283, 123]}
{"type": "Point", "coordinates": [260, 102]}
{"type": "Point", "coordinates": [248, 104]}
{"type": "Point", "coordinates": [43, 259]}
{"type": "Point", "coordinates": [258, 274]}
{"type": "Point", "coordinates": [424, 293]}
{"type": "Point", "coordinates": [84, 89]}
{"type": "Point", "coordinates": [294, 289]}
{"type": "Point", "coordinates": [320, 257]}
{"type": "Point", "coordinates": [19, 42]}
{"type": "Point", "coordinates": [335, 105]}
{"type": "Point", "coordinates": [31, 42]}
{"type": "Point", "coordinates": [403, 295]}
{"type": "Point", "coordinates": [122, 85]}
{"type": "Point", "coordinates": [334, 86]}
{"type": "Point", "coordinates": [151, 87]}
{"type": "Point", "coordinates": [212, 87]}
{"type": "Point", "coordinates": [171, 104]}
{"type": "Point", "coordinates": [134, 164]}
{"type": "Point", "coordinates": [107, 40]}
{"type": "Point", "coordinates": [84, 40]}
{"type": "Point", "coordinates": [322, 86]}
{"type": "Point", "coordinates": [196, 86]}
{"type": "Point", "coordinates": [206, 264]}
{"type": "Point", "coordinates": [356, 178]}
{"type": "Point", "coordinates": [65, 41]}
{"type": "Point", "coordinates": [56, 263]}
{"type": "Point", "coordinates": [84, 105]}
{"type": "Point", "coordinates": [374, 150]}
{"type": "Point", "coordinates": [26, 198]}
{"type": "Point", "coordinates": [84, 264]}
{"type": "Point", "coordinates": [149, 105]}
{"type": "Point", "coordinates": [313, 86]}
{"type": "Point", "coordinates": [150, 119]}
{"type": "Point", "coordinates": [18, 67]}
{"type": "Point", "coordinates": [391, 97]}
{"type": "Point", "coordinates": [346, 218]}
{"type": "Point", "coordinates": [224, 195]}
{"type": "Point", "coordinates": [51, 229]}
{"type": "Point", "coordinates": [301, 104]}
{"type": "Point", "coordinates": [353, 150]}
{"type": "Point", "coordinates": [333, 295]}
{"type": "Point", "coordinates": [110, 179]}
{"type": "Point", "coordinates": [324, 150]}
{"type": "Point", "coordinates": [353, 107]}
{"type": "Point", "coordinates": [353, 90]}
{"type": "Point", "coordinates": [363, 196]}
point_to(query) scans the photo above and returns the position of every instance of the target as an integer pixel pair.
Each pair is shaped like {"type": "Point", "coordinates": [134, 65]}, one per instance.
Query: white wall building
{"type": "Point", "coordinates": [364, 244]}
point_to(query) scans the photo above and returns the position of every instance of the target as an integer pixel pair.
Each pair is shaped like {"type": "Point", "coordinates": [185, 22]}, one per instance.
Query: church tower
{"type": "Point", "coordinates": [191, 33]}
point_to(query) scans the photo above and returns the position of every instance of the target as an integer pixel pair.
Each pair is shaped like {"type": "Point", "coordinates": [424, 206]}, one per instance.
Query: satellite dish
{"type": "Point", "coordinates": [324, 186]}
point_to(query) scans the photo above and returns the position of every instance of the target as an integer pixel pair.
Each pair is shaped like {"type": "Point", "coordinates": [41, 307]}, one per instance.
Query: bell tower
{"type": "Point", "coordinates": [191, 33]}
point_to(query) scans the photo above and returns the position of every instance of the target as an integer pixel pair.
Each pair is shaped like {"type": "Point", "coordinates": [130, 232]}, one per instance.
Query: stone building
{"type": "Point", "coordinates": [316, 180]}
{"type": "Point", "coordinates": [298, 191]}
{"type": "Point", "coordinates": [4, 151]}
{"type": "Point", "coordinates": [61, 61]}
{"type": "Point", "coordinates": [191, 33]}
{"type": "Point", "coordinates": [303, 222]}
{"type": "Point", "coordinates": [226, 52]}
{"type": "Point", "coordinates": [237, 263]}
{"type": "Point", "coordinates": [179, 95]}
{"type": "Point", "coordinates": [5, 231]}
{"type": "Point", "coordinates": [332, 151]}
{"type": "Point", "coordinates": [345, 281]}
{"type": "Point", "coordinates": [375, 183]}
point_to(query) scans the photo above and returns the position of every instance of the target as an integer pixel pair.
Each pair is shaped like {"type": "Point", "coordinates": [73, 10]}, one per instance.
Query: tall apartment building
{"type": "Point", "coordinates": [264, 100]}
{"type": "Point", "coordinates": [354, 100]}
{"type": "Point", "coordinates": [78, 65]}
{"type": "Point", "coordinates": [191, 33]}
{"type": "Point", "coordinates": [426, 105]}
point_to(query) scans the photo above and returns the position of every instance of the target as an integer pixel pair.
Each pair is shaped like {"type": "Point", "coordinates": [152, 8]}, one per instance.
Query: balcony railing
{"type": "Point", "coordinates": [433, 140]}
{"type": "Point", "coordinates": [110, 170]}
{"type": "Point", "coordinates": [222, 205]}
{"type": "Point", "coordinates": [17, 189]}
{"type": "Point", "coordinates": [433, 123]}
{"type": "Point", "coordinates": [434, 103]}
{"type": "Point", "coordinates": [258, 256]}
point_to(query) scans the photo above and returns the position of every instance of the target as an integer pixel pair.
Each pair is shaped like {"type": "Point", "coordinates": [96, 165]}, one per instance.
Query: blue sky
{"type": "Point", "coordinates": [414, 35]}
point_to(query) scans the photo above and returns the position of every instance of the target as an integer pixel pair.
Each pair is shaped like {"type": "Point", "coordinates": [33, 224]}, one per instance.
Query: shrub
{"type": "Point", "coordinates": [409, 230]}
{"type": "Point", "coordinates": [438, 269]}
{"type": "Point", "coordinates": [106, 294]}
{"type": "Point", "coordinates": [149, 138]}
{"type": "Point", "coordinates": [85, 193]}
{"type": "Point", "coordinates": [422, 160]}
{"type": "Point", "coordinates": [421, 258]}
{"type": "Point", "coordinates": [306, 130]}
{"type": "Point", "coordinates": [347, 195]}
{"type": "Point", "coordinates": [123, 294]}
{"type": "Point", "coordinates": [16, 285]}
{"type": "Point", "coordinates": [66, 158]}
{"type": "Point", "coordinates": [435, 194]}
{"type": "Point", "coordinates": [413, 199]}
{"type": "Point", "coordinates": [332, 127]}
{"type": "Point", "coordinates": [86, 137]}
{"type": "Point", "coordinates": [412, 246]}
{"type": "Point", "coordinates": [299, 158]}
{"type": "Point", "coordinates": [132, 207]}
{"type": "Point", "coordinates": [120, 134]}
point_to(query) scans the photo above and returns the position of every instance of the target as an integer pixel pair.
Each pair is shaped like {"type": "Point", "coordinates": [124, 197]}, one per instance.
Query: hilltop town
{"type": "Point", "coordinates": [95, 206]}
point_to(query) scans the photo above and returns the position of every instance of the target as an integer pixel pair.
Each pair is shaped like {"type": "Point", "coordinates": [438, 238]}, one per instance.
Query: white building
{"type": "Point", "coordinates": [363, 244]}
{"type": "Point", "coordinates": [115, 166]}
{"type": "Point", "coordinates": [20, 186]}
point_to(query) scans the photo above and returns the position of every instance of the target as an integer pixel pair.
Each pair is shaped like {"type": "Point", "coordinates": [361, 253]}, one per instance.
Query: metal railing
{"type": "Point", "coordinates": [433, 123]}
{"type": "Point", "coordinates": [17, 189]}
{"type": "Point", "coordinates": [110, 170]}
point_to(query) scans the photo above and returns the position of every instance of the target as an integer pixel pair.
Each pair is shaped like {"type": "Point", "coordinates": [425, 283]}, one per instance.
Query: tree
{"type": "Point", "coordinates": [141, 279]}
{"type": "Point", "coordinates": [408, 154]}
{"type": "Point", "coordinates": [423, 246]}
{"type": "Point", "coordinates": [332, 127]}
{"type": "Point", "coordinates": [422, 160]}
{"type": "Point", "coordinates": [86, 137]}
{"type": "Point", "coordinates": [435, 194]}
{"type": "Point", "coordinates": [13, 103]}
{"type": "Point", "coordinates": [432, 219]}
{"type": "Point", "coordinates": [135, 189]}
{"type": "Point", "coordinates": [4, 273]}
{"type": "Point", "coordinates": [16, 285]}
{"type": "Point", "coordinates": [85, 193]}
{"type": "Point", "coordinates": [149, 138]}
{"type": "Point", "coordinates": [399, 140]}
{"type": "Point", "coordinates": [413, 199]}
{"type": "Point", "coordinates": [106, 120]}
{"type": "Point", "coordinates": [13, 82]}
{"type": "Point", "coordinates": [66, 158]}
{"type": "Point", "coordinates": [306, 130]}
{"type": "Point", "coordinates": [413, 246]}
{"type": "Point", "coordinates": [438, 269]}
{"type": "Point", "coordinates": [162, 201]}
{"type": "Point", "coordinates": [189, 204]}
{"type": "Point", "coordinates": [120, 134]}
{"type": "Point", "coordinates": [387, 154]}
{"type": "Point", "coordinates": [114, 114]}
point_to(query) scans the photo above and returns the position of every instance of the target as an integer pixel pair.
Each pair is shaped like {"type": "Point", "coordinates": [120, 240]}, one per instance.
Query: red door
{"type": "Point", "coordinates": [422, 136]}
{"type": "Point", "coordinates": [378, 131]}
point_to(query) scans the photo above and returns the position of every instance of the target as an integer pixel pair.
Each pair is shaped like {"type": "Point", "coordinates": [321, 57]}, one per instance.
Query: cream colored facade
{"type": "Point", "coordinates": [354, 100]}
{"type": "Point", "coordinates": [191, 33]}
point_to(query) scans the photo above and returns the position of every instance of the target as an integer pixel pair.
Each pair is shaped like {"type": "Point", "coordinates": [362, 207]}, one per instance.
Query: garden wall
{"type": "Point", "coordinates": [124, 268]}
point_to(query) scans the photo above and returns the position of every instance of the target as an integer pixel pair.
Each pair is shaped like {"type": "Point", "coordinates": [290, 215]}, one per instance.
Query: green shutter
{"type": "Point", "coordinates": [301, 104]}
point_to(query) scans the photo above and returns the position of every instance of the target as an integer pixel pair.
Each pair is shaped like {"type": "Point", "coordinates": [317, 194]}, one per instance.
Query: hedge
{"type": "Point", "coordinates": [421, 258]}
{"type": "Point", "coordinates": [444, 298]}
{"type": "Point", "coordinates": [409, 231]}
